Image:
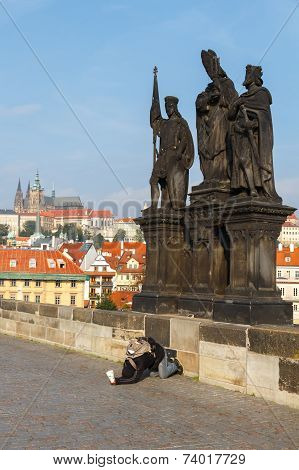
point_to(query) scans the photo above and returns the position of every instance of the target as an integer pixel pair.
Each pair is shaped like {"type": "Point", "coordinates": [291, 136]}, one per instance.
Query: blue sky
{"type": "Point", "coordinates": [101, 54]}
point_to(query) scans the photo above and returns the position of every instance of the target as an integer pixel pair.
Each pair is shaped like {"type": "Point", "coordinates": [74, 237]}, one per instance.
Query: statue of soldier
{"type": "Point", "coordinates": [252, 138]}
{"type": "Point", "coordinates": [175, 156]}
{"type": "Point", "coordinates": [212, 123]}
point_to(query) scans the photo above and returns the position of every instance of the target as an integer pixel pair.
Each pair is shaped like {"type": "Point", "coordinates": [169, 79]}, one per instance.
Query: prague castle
{"type": "Point", "coordinates": [35, 199]}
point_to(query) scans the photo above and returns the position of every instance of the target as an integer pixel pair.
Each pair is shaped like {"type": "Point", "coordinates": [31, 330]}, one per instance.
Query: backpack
{"type": "Point", "coordinates": [136, 348]}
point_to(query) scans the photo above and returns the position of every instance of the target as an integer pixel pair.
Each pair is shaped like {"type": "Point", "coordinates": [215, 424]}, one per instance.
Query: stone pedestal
{"type": "Point", "coordinates": [233, 251]}
{"type": "Point", "coordinates": [166, 259]}
{"type": "Point", "coordinates": [215, 259]}
{"type": "Point", "coordinates": [251, 295]}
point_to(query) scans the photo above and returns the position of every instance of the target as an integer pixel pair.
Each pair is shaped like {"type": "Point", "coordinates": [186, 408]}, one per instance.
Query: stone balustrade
{"type": "Point", "coordinates": [257, 360]}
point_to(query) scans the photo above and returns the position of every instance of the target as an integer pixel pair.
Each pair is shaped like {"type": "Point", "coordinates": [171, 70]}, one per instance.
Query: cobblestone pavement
{"type": "Point", "coordinates": [54, 399]}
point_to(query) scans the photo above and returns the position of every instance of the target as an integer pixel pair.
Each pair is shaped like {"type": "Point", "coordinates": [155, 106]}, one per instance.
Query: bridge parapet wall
{"type": "Point", "coordinates": [257, 360]}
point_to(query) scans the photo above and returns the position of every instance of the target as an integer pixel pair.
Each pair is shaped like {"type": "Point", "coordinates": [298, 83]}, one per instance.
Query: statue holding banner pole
{"type": "Point", "coordinates": [175, 157]}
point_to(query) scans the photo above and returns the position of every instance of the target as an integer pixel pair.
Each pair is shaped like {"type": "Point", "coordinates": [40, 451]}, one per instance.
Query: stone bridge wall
{"type": "Point", "coordinates": [261, 360]}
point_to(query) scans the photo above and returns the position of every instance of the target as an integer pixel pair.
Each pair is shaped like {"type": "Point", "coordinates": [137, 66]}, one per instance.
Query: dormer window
{"type": "Point", "coordinates": [61, 263]}
{"type": "Point", "coordinates": [287, 259]}
{"type": "Point", "coordinates": [13, 263]}
{"type": "Point", "coordinates": [32, 263]}
{"type": "Point", "coordinates": [51, 263]}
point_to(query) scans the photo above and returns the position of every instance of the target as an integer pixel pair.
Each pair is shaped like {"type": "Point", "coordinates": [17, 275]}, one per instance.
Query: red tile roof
{"type": "Point", "coordinates": [76, 213]}
{"type": "Point", "coordinates": [104, 213]}
{"type": "Point", "coordinates": [289, 224]}
{"type": "Point", "coordinates": [74, 250]}
{"type": "Point", "coordinates": [125, 219]}
{"type": "Point", "coordinates": [115, 247]}
{"type": "Point", "coordinates": [121, 298]}
{"type": "Point", "coordinates": [286, 253]}
{"type": "Point", "coordinates": [22, 258]}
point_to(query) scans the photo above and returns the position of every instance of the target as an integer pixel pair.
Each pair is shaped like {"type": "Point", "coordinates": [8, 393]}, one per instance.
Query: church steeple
{"type": "Point", "coordinates": [19, 203]}
{"type": "Point", "coordinates": [37, 185]}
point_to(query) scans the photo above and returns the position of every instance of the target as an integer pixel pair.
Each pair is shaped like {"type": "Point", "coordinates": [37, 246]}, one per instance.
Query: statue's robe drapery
{"type": "Point", "coordinates": [175, 157]}
{"type": "Point", "coordinates": [213, 130]}
{"type": "Point", "coordinates": [257, 105]}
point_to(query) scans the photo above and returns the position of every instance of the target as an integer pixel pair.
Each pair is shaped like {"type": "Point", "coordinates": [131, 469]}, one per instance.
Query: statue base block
{"type": "Point", "coordinates": [155, 302]}
{"type": "Point", "coordinates": [197, 306]}
{"type": "Point", "coordinates": [253, 312]}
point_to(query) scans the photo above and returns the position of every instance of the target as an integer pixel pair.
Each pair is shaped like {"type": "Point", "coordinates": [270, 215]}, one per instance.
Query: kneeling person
{"type": "Point", "coordinates": [143, 354]}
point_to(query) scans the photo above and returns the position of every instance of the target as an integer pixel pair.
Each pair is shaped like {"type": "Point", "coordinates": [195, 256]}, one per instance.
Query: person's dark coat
{"type": "Point", "coordinates": [149, 360]}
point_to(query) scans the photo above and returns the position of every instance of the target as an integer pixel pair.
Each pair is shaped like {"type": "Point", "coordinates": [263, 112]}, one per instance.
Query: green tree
{"type": "Point", "coordinates": [87, 235]}
{"type": "Point", "coordinates": [98, 240]}
{"type": "Point", "coordinates": [139, 236]}
{"type": "Point", "coordinates": [120, 235]}
{"type": "Point", "coordinates": [106, 304]}
{"type": "Point", "coordinates": [57, 231]}
{"type": "Point", "coordinates": [79, 235]}
{"type": "Point", "coordinates": [3, 233]}
{"type": "Point", "coordinates": [46, 233]}
{"type": "Point", "coordinates": [28, 228]}
{"type": "Point", "coordinates": [98, 304]}
{"type": "Point", "coordinates": [70, 230]}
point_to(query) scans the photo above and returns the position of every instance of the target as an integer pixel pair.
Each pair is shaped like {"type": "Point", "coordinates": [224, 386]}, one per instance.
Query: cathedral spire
{"type": "Point", "coordinates": [19, 203]}
{"type": "Point", "coordinates": [37, 184]}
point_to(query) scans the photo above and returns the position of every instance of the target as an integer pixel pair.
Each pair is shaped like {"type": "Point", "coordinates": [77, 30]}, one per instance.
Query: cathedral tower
{"type": "Point", "coordinates": [36, 196]}
{"type": "Point", "coordinates": [19, 202]}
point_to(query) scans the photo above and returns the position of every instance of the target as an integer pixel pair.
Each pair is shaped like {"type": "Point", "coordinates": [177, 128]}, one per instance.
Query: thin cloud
{"type": "Point", "coordinates": [20, 110]}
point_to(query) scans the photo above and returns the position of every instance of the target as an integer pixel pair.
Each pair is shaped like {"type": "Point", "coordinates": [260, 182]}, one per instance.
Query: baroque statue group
{"type": "Point", "coordinates": [215, 257]}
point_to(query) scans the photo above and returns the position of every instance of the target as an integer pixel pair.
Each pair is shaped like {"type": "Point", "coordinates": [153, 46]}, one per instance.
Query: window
{"type": "Point", "coordinates": [57, 299]}
{"type": "Point", "coordinates": [32, 263]}
{"type": "Point", "coordinates": [73, 283]}
{"type": "Point", "coordinates": [73, 300]}
{"type": "Point", "coordinates": [13, 283]}
{"type": "Point", "coordinates": [279, 273]}
{"type": "Point", "coordinates": [13, 263]}
{"type": "Point", "coordinates": [282, 291]}
{"type": "Point", "coordinates": [127, 277]}
{"type": "Point", "coordinates": [51, 263]}
{"type": "Point", "coordinates": [58, 284]}
{"type": "Point", "coordinates": [295, 306]}
{"type": "Point", "coordinates": [37, 283]}
{"type": "Point", "coordinates": [297, 274]}
{"type": "Point", "coordinates": [27, 283]}
{"type": "Point", "coordinates": [26, 298]}
{"type": "Point", "coordinates": [288, 273]}
{"type": "Point", "coordinates": [1, 282]}
{"type": "Point", "coordinates": [37, 299]}
{"type": "Point", "coordinates": [61, 263]}
{"type": "Point", "coordinates": [104, 268]}
{"type": "Point", "coordinates": [13, 297]}
{"type": "Point", "coordinates": [295, 292]}
{"type": "Point", "coordinates": [1, 296]}
{"type": "Point", "coordinates": [287, 259]}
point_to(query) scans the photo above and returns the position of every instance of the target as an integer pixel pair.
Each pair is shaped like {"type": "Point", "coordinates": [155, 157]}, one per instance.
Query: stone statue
{"type": "Point", "coordinates": [175, 156]}
{"type": "Point", "coordinates": [252, 138]}
{"type": "Point", "coordinates": [212, 123]}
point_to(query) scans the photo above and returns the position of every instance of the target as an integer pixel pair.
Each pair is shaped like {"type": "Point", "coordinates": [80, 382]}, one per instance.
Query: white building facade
{"type": "Point", "coordinates": [287, 276]}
